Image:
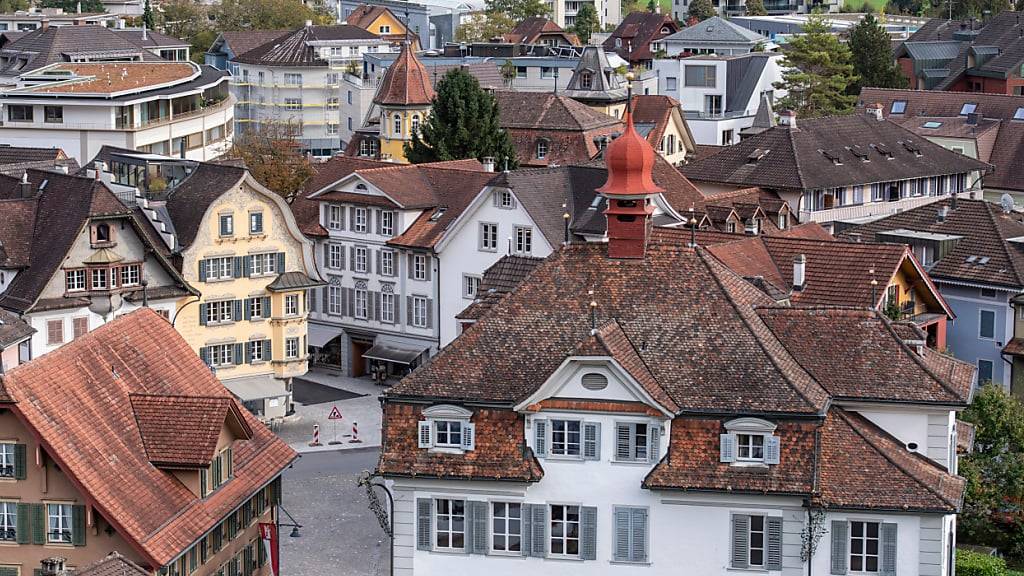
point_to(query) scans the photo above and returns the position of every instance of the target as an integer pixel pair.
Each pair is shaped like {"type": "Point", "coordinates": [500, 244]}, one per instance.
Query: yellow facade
{"type": "Point", "coordinates": [282, 329]}
{"type": "Point", "coordinates": [912, 288]}
{"type": "Point", "coordinates": [396, 127]}
{"type": "Point", "coordinates": [386, 25]}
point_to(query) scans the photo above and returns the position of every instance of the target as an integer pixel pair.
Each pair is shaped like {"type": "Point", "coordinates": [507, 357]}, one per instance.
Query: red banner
{"type": "Point", "coordinates": [268, 533]}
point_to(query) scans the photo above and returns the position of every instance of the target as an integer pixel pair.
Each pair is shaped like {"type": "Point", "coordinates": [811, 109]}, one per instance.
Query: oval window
{"type": "Point", "coordinates": [595, 381]}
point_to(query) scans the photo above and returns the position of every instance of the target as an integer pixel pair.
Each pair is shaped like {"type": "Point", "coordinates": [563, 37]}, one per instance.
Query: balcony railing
{"type": "Point", "coordinates": [866, 210]}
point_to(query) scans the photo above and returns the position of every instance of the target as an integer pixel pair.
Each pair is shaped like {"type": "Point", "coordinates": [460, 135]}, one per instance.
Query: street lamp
{"type": "Point", "coordinates": [385, 515]}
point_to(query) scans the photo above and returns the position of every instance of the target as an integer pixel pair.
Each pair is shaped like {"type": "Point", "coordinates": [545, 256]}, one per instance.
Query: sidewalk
{"type": "Point", "coordinates": [364, 411]}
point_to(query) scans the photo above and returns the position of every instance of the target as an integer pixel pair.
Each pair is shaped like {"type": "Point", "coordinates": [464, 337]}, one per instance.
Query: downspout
{"type": "Point", "coordinates": [437, 302]}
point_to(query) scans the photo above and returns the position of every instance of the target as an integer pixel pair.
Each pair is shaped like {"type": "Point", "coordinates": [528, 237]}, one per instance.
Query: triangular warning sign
{"type": "Point", "coordinates": [335, 414]}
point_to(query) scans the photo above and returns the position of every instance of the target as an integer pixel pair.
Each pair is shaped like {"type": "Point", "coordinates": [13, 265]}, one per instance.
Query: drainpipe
{"type": "Point", "coordinates": [437, 300]}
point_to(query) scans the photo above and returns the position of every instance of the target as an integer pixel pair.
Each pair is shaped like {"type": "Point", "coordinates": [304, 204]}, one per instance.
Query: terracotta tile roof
{"type": "Point", "coordinates": [984, 230]}
{"type": "Point", "coordinates": [796, 160]}
{"type": "Point", "coordinates": [181, 431]}
{"type": "Point", "coordinates": [307, 210]}
{"type": "Point", "coordinates": [636, 31]}
{"type": "Point", "coordinates": [532, 29]}
{"type": "Point", "coordinates": [364, 15]}
{"type": "Point", "coordinates": [654, 109]}
{"type": "Point", "coordinates": [613, 406]}
{"type": "Point", "coordinates": [114, 564]}
{"type": "Point", "coordinates": [84, 386]}
{"type": "Point", "coordinates": [501, 278]}
{"type": "Point", "coordinates": [864, 467]}
{"type": "Point", "coordinates": [878, 367]}
{"type": "Point", "coordinates": [1014, 347]}
{"type": "Point", "coordinates": [13, 329]}
{"type": "Point", "coordinates": [613, 342]}
{"type": "Point", "coordinates": [500, 452]}
{"type": "Point", "coordinates": [16, 227]}
{"type": "Point", "coordinates": [405, 83]}
{"type": "Point", "coordinates": [115, 77]}
{"type": "Point", "coordinates": [547, 111]}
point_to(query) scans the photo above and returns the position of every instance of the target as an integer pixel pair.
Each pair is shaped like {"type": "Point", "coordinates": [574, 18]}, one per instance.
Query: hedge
{"type": "Point", "coordinates": [976, 564]}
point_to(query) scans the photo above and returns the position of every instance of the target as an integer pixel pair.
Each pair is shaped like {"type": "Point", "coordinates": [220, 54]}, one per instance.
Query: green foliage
{"type": "Point", "coordinates": [273, 156]}
{"type": "Point", "coordinates": [756, 8]}
{"type": "Point", "coordinates": [963, 9]}
{"type": "Point", "coordinates": [873, 61]}
{"type": "Point", "coordinates": [701, 10]}
{"type": "Point", "coordinates": [482, 27]}
{"type": "Point", "coordinates": [265, 15]}
{"type": "Point", "coordinates": [517, 10]}
{"type": "Point", "coordinates": [463, 123]}
{"type": "Point", "coordinates": [818, 72]}
{"type": "Point", "coordinates": [586, 22]}
{"type": "Point", "coordinates": [970, 563]}
{"type": "Point", "coordinates": [147, 16]}
{"type": "Point", "coordinates": [651, 5]}
{"type": "Point", "coordinates": [8, 6]}
{"type": "Point", "coordinates": [71, 6]}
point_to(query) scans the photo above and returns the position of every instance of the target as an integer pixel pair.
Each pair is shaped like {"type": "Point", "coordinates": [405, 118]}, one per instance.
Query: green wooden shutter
{"type": "Point", "coordinates": [887, 532]}
{"type": "Point", "coordinates": [839, 541]}
{"type": "Point", "coordinates": [424, 522]}
{"type": "Point", "coordinates": [230, 463]}
{"type": "Point", "coordinates": [38, 524]}
{"type": "Point", "coordinates": [774, 530]}
{"type": "Point", "coordinates": [24, 524]}
{"type": "Point", "coordinates": [588, 532]}
{"type": "Point", "coordinates": [740, 541]}
{"type": "Point", "coordinates": [20, 462]}
{"type": "Point", "coordinates": [78, 525]}
{"type": "Point", "coordinates": [5, 571]}
{"type": "Point", "coordinates": [217, 478]}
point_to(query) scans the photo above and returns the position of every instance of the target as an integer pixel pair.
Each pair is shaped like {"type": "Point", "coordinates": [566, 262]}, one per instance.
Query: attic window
{"type": "Point", "coordinates": [586, 81]}
{"type": "Point", "coordinates": [931, 125]}
{"type": "Point", "coordinates": [968, 108]}
{"type": "Point", "coordinates": [594, 381]}
{"type": "Point", "coordinates": [833, 156]}
{"type": "Point", "coordinates": [898, 107]}
{"type": "Point", "coordinates": [749, 441]}
{"type": "Point", "coordinates": [757, 155]}
{"type": "Point", "coordinates": [859, 152]}
{"type": "Point", "coordinates": [1019, 114]}
{"type": "Point", "coordinates": [438, 213]}
{"type": "Point", "coordinates": [883, 150]}
{"type": "Point", "coordinates": [911, 147]}
{"type": "Point", "coordinates": [447, 428]}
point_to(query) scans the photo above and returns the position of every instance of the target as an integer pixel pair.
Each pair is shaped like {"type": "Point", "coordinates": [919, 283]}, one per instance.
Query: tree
{"type": "Point", "coordinates": [517, 10]}
{"type": "Point", "coordinates": [817, 72]}
{"type": "Point", "coordinates": [482, 27]}
{"type": "Point", "coordinates": [701, 10]}
{"type": "Point", "coordinates": [586, 22]}
{"type": "Point", "coordinates": [994, 472]}
{"type": "Point", "coordinates": [873, 61]}
{"type": "Point", "coordinates": [147, 16]}
{"type": "Point", "coordinates": [273, 157]}
{"type": "Point", "coordinates": [462, 124]}
{"type": "Point", "coordinates": [8, 6]}
{"type": "Point", "coordinates": [71, 6]}
{"type": "Point", "coordinates": [756, 8]}
{"type": "Point", "coordinates": [265, 15]}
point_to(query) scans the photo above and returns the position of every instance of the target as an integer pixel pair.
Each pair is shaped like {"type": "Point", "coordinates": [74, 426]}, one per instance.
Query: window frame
{"type": "Point", "coordinates": [507, 532]}
{"type": "Point", "coordinates": [417, 318]}
{"type": "Point", "coordinates": [8, 520]}
{"type": "Point", "coordinates": [864, 539]}
{"type": "Point", "coordinates": [291, 348]}
{"type": "Point", "coordinates": [419, 267]}
{"type": "Point", "coordinates": [335, 217]}
{"type": "Point", "coordinates": [981, 324]}
{"type": "Point", "coordinates": [361, 304]}
{"type": "Point", "coordinates": [335, 256]}
{"type": "Point", "coordinates": [453, 428]}
{"type": "Point", "coordinates": [359, 220]}
{"type": "Point", "coordinates": [7, 459]}
{"type": "Point", "coordinates": [226, 225]}
{"type": "Point", "coordinates": [634, 445]}
{"type": "Point", "coordinates": [450, 531]}
{"type": "Point", "coordinates": [750, 447]}
{"type": "Point", "coordinates": [256, 223]}
{"type": "Point", "coordinates": [360, 258]}
{"type": "Point", "coordinates": [64, 522]}
{"type": "Point", "coordinates": [291, 304]}
{"type": "Point", "coordinates": [387, 262]}
{"type": "Point", "coordinates": [763, 548]}
{"type": "Point", "coordinates": [566, 452]}
{"type": "Point", "coordinates": [900, 104]}
{"type": "Point", "coordinates": [523, 239]}
{"type": "Point", "coordinates": [80, 275]}
{"type": "Point", "coordinates": [387, 308]}
{"type": "Point", "coordinates": [387, 223]}
{"type": "Point", "coordinates": [488, 232]}
{"type": "Point", "coordinates": [564, 538]}
{"type": "Point", "coordinates": [471, 280]}
{"type": "Point", "coordinates": [992, 371]}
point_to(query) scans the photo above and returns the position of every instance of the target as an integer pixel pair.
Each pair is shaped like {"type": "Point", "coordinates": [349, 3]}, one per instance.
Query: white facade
{"type": "Point", "coordinates": [563, 12]}
{"type": "Point", "coordinates": [702, 84]}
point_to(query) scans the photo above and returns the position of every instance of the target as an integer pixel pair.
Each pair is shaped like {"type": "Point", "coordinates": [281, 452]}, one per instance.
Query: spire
{"type": "Point", "coordinates": [406, 82]}
{"type": "Point", "coordinates": [630, 161]}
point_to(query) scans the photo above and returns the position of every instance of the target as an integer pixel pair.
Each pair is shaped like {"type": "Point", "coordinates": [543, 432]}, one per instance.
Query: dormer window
{"type": "Point", "coordinates": [220, 471]}
{"type": "Point", "coordinates": [542, 149]}
{"type": "Point", "coordinates": [586, 81]}
{"type": "Point", "coordinates": [447, 428]}
{"type": "Point", "coordinates": [749, 441]}
{"type": "Point", "coordinates": [101, 234]}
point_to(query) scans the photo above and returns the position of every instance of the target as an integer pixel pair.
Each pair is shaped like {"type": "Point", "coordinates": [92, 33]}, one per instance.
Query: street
{"type": "Point", "coordinates": [339, 534]}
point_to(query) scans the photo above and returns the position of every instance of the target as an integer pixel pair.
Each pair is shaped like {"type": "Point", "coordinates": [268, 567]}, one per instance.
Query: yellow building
{"type": "Point", "coordinates": [403, 101]}
{"type": "Point", "coordinates": [237, 243]}
{"type": "Point", "coordinates": [379, 20]}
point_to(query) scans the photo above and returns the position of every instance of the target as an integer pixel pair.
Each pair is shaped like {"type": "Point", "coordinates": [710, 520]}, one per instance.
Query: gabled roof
{"type": "Point", "coordinates": [188, 201]}
{"type": "Point", "coordinates": [114, 564]}
{"type": "Point", "coordinates": [984, 254]}
{"type": "Point", "coordinates": [636, 32]}
{"type": "Point", "coordinates": [150, 38]}
{"type": "Point", "coordinates": [716, 29]}
{"type": "Point", "coordinates": [795, 159]}
{"type": "Point", "coordinates": [241, 42]}
{"type": "Point", "coordinates": [295, 49]}
{"type": "Point", "coordinates": [365, 15]}
{"type": "Point", "coordinates": [405, 83]}
{"type": "Point", "coordinates": [502, 277]}
{"type": "Point", "coordinates": [13, 329]}
{"type": "Point", "coordinates": [532, 29]}
{"type": "Point", "coordinates": [181, 431]}
{"type": "Point", "coordinates": [86, 385]}
{"type": "Point", "coordinates": [306, 209]}
{"type": "Point", "coordinates": [53, 44]}
{"type": "Point", "coordinates": [547, 111]}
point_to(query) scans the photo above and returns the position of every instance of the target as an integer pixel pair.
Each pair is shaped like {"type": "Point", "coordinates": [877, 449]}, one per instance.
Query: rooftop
{"type": "Point", "coordinates": [111, 78]}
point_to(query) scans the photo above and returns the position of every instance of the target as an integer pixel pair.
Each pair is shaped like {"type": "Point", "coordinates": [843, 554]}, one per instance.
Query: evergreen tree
{"type": "Point", "coordinates": [651, 5]}
{"type": "Point", "coordinates": [701, 10]}
{"type": "Point", "coordinates": [818, 71]}
{"type": "Point", "coordinates": [462, 124]}
{"type": "Point", "coordinates": [872, 57]}
{"type": "Point", "coordinates": [756, 8]}
{"type": "Point", "coordinates": [147, 16]}
{"type": "Point", "coordinates": [586, 22]}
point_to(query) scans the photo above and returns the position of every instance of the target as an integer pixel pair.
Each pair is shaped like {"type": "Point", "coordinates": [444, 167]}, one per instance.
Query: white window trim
{"type": "Point", "coordinates": [615, 441]}
{"type": "Point", "coordinates": [995, 328]}
{"type": "Point", "coordinates": [491, 550]}
{"type": "Point", "coordinates": [548, 532]}
{"type": "Point", "coordinates": [755, 427]}
{"type": "Point", "coordinates": [550, 432]}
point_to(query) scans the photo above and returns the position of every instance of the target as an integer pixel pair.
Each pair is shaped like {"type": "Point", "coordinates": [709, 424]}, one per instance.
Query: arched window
{"type": "Point", "coordinates": [415, 123]}
{"type": "Point", "coordinates": [103, 233]}
{"type": "Point", "coordinates": [586, 81]}
{"type": "Point", "coordinates": [398, 125]}
{"type": "Point", "coordinates": [542, 149]}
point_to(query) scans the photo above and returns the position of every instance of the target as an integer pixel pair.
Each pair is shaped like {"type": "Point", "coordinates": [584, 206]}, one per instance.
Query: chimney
{"type": "Point", "coordinates": [657, 7]}
{"type": "Point", "coordinates": [52, 566]}
{"type": "Point", "coordinates": [26, 187]}
{"type": "Point", "coordinates": [972, 119]}
{"type": "Point", "coordinates": [144, 31]}
{"type": "Point", "coordinates": [799, 272]}
{"type": "Point", "coordinates": [44, 23]}
{"type": "Point", "coordinates": [489, 163]}
{"type": "Point", "coordinates": [875, 111]}
{"type": "Point", "coordinates": [952, 201]}
{"type": "Point", "coordinates": [309, 23]}
{"type": "Point", "coordinates": [941, 216]}
{"type": "Point", "coordinates": [787, 118]}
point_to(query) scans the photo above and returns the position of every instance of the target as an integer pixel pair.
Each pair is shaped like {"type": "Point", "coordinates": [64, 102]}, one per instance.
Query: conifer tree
{"type": "Point", "coordinates": [818, 72]}
{"type": "Point", "coordinates": [701, 10]}
{"type": "Point", "coordinates": [873, 61]}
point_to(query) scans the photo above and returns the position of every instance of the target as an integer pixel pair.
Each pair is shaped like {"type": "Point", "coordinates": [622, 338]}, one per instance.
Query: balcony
{"type": "Point", "coordinates": [866, 210]}
{"type": "Point", "coordinates": [780, 7]}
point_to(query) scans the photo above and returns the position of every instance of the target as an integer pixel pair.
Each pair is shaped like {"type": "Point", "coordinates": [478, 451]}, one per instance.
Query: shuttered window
{"type": "Point", "coordinates": [631, 535]}
{"type": "Point", "coordinates": [756, 542]}
{"type": "Point", "coordinates": [631, 442]}
{"type": "Point", "coordinates": [564, 530]}
{"type": "Point", "coordinates": [506, 527]}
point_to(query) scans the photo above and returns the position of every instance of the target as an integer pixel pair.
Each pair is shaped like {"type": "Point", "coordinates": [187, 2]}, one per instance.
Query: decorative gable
{"type": "Point", "coordinates": [594, 383]}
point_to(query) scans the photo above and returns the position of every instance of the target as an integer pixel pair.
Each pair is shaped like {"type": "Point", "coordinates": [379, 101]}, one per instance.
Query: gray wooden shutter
{"type": "Point", "coordinates": [409, 265]}
{"type": "Point", "coordinates": [468, 522]}
{"type": "Point", "coordinates": [247, 266]}
{"type": "Point", "coordinates": [281, 262]}
{"type": "Point", "coordinates": [428, 264]}
{"type": "Point", "coordinates": [24, 523]}
{"type": "Point", "coordinates": [351, 219]}
{"type": "Point", "coordinates": [469, 436]}
{"type": "Point", "coordinates": [248, 352]}
{"type": "Point", "coordinates": [266, 307]}
{"type": "Point", "coordinates": [202, 314]}
{"type": "Point", "coordinates": [838, 550]}
{"type": "Point", "coordinates": [238, 352]}
{"type": "Point", "coordinates": [236, 310]}
{"type": "Point", "coordinates": [887, 532]}
{"type": "Point", "coordinates": [424, 520]}
{"type": "Point", "coordinates": [246, 309]}
{"type": "Point", "coordinates": [430, 312]}
{"type": "Point", "coordinates": [20, 462]}
{"type": "Point", "coordinates": [621, 519]}
{"type": "Point", "coordinates": [639, 535]}
{"type": "Point", "coordinates": [351, 301]}
{"type": "Point", "coordinates": [591, 440]}
{"type": "Point", "coordinates": [351, 257]}
{"type": "Point", "coordinates": [326, 299]}
{"type": "Point", "coordinates": [479, 527]}
{"type": "Point", "coordinates": [408, 310]}
{"type": "Point", "coordinates": [202, 270]}
{"type": "Point", "coordinates": [369, 220]}
{"type": "Point", "coordinates": [623, 433]}
{"type": "Point", "coordinates": [327, 255]}
{"type": "Point", "coordinates": [740, 541]}
{"type": "Point", "coordinates": [380, 222]}
{"type": "Point", "coordinates": [774, 530]}
{"type": "Point", "coordinates": [588, 532]}
{"type": "Point", "coordinates": [727, 443]}
{"type": "Point", "coordinates": [653, 442]}
{"type": "Point", "coordinates": [380, 271]}
{"type": "Point", "coordinates": [204, 354]}
{"type": "Point", "coordinates": [78, 525]}
{"type": "Point", "coordinates": [540, 438]}
{"type": "Point", "coordinates": [771, 450]}
{"type": "Point", "coordinates": [538, 522]}
{"type": "Point", "coordinates": [238, 266]}
{"type": "Point", "coordinates": [526, 529]}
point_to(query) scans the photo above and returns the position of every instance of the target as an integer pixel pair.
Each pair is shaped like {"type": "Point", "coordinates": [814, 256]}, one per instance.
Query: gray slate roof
{"type": "Point", "coordinates": [742, 77]}
{"type": "Point", "coordinates": [605, 83]}
{"type": "Point", "coordinates": [716, 29]}
{"type": "Point", "coordinates": [295, 50]}
{"type": "Point", "coordinates": [51, 45]}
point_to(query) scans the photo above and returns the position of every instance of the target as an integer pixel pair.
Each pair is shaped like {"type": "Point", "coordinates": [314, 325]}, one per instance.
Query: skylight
{"type": "Point", "coordinates": [898, 107]}
{"type": "Point", "coordinates": [1019, 114]}
{"type": "Point", "coordinates": [968, 108]}
{"type": "Point", "coordinates": [932, 125]}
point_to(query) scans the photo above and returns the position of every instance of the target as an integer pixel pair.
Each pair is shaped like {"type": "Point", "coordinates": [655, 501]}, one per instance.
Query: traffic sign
{"type": "Point", "coordinates": [335, 414]}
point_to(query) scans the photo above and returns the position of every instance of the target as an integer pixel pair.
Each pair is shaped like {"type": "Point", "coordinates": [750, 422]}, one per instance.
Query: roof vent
{"type": "Point", "coordinates": [594, 381]}
{"type": "Point", "coordinates": [833, 156]}
{"type": "Point", "coordinates": [911, 147]}
{"type": "Point", "coordinates": [883, 150]}
{"type": "Point", "coordinates": [757, 155]}
{"type": "Point", "coordinates": [859, 152]}
{"type": "Point", "coordinates": [438, 213]}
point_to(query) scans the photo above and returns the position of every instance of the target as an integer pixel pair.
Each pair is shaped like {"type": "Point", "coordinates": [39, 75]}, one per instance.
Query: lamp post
{"type": "Point", "coordinates": [385, 516]}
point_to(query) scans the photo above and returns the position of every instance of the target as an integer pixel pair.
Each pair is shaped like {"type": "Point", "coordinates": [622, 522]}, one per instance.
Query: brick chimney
{"type": "Point", "coordinates": [875, 111]}
{"type": "Point", "coordinates": [629, 188]}
{"type": "Point", "coordinates": [26, 187]}
{"type": "Point", "coordinates": [787, 118]}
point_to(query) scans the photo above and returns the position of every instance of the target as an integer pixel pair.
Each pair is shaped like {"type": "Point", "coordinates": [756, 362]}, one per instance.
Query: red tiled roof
{"type": "Point", "coordinates": [85, 386]}
{"type": "Point", "coordinates": [405, 83]}
{"type": "Point", "coordinates": [636, 31]}
{"type": "Point", "coordinates": [306, 210]}
{"type": "Point", "coordinates": [654, 109]}
{"type": "Point", "coordinates": [182, 431]}
{"type": "Point", "coordinates": [530, 31]}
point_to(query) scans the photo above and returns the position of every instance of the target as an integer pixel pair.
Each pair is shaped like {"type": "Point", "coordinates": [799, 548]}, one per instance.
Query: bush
{"type": "Point", "coordinates": [976, 564]}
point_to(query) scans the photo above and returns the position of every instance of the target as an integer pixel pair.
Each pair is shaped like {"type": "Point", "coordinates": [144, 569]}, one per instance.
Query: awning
{"type": "Point", "coordinates": [256, 387]}
{"type": "Point", "coordinates": [319, 335]}
{"type": "Point", "coordinates": [392, 353]}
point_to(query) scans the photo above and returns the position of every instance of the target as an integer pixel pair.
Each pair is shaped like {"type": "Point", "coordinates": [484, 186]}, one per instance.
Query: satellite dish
{"type": "Point", "coordinates": [1006, 201]}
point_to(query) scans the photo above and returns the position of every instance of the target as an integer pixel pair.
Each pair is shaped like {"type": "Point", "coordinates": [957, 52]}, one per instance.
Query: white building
{"type": "Point", "coordinates": [295, 81]}
{"type": "Point", "coordinates": [716, 35]}
{"type": "Point", "coordinates": [169, 108]}
{"type": "Point", "coordinates": [630, 409]}
{"type": "Point", "coordinates": [720, 95]}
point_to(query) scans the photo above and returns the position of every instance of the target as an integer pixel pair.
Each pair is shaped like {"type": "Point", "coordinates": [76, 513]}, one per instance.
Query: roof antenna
{"type": "Point", "coordinates": [693, 228]}
{"type": "Point", "coordinates": [565, 217]}
{"type": "Point", "coordinates": [874, 289]}
{"type": "Point", "coordinates": [593, 313]}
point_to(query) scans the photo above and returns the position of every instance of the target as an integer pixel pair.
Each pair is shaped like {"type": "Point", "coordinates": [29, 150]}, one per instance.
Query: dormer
{"type": "Point", "coordinates": [191, 437]}
{"type": "Point", "coordinates": [447, 428]}
{"type": "Point", "coordinates": [102, 234]}
{"type": "Point", "coordinates": [749, 442]}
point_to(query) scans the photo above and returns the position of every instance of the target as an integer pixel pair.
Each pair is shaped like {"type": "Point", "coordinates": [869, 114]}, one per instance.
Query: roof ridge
{"type": "Point", "coordinates": [988, 206]}
{"type": "Point", "coordinates": [914, 356]}
{"type": "Point", "coordinates": [615, 324]}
